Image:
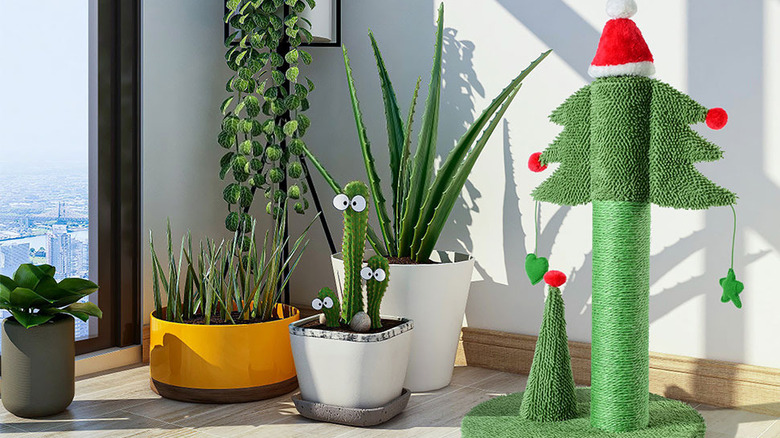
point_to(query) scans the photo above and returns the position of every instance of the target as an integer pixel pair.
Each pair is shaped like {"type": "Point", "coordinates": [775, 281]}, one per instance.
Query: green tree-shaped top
{"type": "Point", "coordinates": [628, 139]}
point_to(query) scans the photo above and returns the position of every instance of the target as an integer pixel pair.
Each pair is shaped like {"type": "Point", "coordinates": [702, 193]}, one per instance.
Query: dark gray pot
{"type": "Point", "coordinates": [37, 369]}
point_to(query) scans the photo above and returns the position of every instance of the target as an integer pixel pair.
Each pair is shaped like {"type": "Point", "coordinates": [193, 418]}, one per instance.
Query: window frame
{"type": "Point", "coordinates": [118, 175]}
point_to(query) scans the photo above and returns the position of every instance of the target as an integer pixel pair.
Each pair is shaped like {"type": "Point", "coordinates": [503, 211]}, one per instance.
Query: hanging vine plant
{"type": "Point", "coordinates": [263, 124]}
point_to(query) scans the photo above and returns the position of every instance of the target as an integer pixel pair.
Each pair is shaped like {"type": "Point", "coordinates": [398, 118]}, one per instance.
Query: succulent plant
{"type": "Point", "coordinates": [377, 276]}
{"type": "Point", "coordinates": [353, 203]}
{"type": "Point", "coordinates": [328, 302]}
{"type": "Point", "coordinates": [34, 297]}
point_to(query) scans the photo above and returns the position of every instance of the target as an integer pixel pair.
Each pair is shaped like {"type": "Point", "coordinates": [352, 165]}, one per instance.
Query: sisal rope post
{"type": "Point", "coordinates": [621, 294]}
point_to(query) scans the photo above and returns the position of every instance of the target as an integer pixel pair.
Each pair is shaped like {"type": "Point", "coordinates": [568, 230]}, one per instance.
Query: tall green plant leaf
{"type": "Point", "coordinates": [373, 178]}
{"type": "Point", "coordinates": [447, 174]}
{"type": "Point", "coordinates": [454, 184]}
{"type": "Point", "coordinates": [155, 279]}
{"type": "Point", "coordinates": [406, 164]}
{"type": "Point", "coordinates": [395, 129]}
{"type": "Point", "coordinates": [422, 168]}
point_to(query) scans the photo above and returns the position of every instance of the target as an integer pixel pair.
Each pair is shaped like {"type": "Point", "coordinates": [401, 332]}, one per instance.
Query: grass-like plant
{"type": "Point", "coordinates": [234, 280]}
{"type": "Point", "coordinates": [422, 199]}
{"type": "Point", "coordinates": [34, 297]}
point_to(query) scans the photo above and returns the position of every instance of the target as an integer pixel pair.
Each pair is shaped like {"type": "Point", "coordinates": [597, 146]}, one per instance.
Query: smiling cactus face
{"type": "Point", "coordinates": [328, 302]}
{"type": "Point", "coordinates": [377, 276]}
{"type": "Point", "coordinates": [353, 202]}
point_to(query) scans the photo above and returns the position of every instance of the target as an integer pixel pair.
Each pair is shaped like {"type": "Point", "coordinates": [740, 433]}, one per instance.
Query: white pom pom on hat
{"type": "Point", "coordinates": [621, 8]}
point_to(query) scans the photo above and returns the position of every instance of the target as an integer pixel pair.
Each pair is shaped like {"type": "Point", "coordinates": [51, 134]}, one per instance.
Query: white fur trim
{"type": "Point", "coordinates": [645, 68]}
{"type": "Point", "coordinates": [621, 8]}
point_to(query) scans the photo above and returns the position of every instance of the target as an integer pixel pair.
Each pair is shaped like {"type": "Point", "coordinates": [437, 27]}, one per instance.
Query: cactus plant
{"type": "Point", "coordinates": [328, 301]}
{"type": "Point", "coordinates": [377, 276]}
{"type": "Point", "coordinates": [353, 203]}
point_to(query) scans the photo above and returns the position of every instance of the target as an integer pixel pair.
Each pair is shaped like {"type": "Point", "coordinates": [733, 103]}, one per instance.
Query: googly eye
{"type": "Point", "coordinates": [380, 275]}
{"type": "Point", "coordinates": [316, 304]}
{"type": "Point", "coordinates": [341, 202]}
{"type": "Point", "coordinates": [358, 203]}
{"type": "Point", "coordinates": [366, 273]}
{"type": "Point", "coordinates": [327, 302]}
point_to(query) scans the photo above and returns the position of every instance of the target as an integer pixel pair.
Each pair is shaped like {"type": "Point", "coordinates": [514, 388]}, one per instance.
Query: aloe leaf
{"type": "Point", "coordinates": [373, 178]}
{"type": "Point", "coordinates": [406, 164]}
{"type": "Point", "coordinates": [395, 126]}
{"type": "Point", "coordinates": [422, 167]}
{"type": "Point", "coordinates": [447, 174]}
{"type": "Point", "coordinates": [455, 183]}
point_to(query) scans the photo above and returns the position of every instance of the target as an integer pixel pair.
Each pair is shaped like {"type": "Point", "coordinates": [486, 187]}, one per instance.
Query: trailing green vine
{"type": "Point", "coordinates": [263, 124]}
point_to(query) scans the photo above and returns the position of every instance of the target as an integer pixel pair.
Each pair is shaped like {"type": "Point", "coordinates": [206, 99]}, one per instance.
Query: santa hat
{"type": "Point", "coordinates": [622, 49]}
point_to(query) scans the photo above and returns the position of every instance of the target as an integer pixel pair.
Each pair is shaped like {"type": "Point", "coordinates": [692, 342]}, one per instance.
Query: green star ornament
{"type": "Point", "coordinates": [731, 289]}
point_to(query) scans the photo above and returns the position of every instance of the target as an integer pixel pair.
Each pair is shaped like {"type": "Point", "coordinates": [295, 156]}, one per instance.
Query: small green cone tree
{"type": "Point", "coordinates": [549, 393]}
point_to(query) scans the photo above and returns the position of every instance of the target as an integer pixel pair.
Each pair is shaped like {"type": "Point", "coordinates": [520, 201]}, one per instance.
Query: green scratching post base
{"type": "Point", "coordinates": [500, 418]}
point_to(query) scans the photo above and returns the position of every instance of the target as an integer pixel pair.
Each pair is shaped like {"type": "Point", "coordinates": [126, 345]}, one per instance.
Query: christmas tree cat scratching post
{"type": "Point", "coordinates": [626, 144]}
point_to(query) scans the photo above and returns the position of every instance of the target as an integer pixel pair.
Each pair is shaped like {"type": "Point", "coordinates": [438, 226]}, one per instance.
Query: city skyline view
{"type": "Point", "coordinates": [44, 142]}
{"type": "Point", "coordinates": [44, 218]}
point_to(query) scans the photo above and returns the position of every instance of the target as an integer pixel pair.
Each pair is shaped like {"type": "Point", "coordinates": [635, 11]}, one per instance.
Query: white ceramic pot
{"type": "Point", "coordinates": [433, 296]}
{"type": "Point", "coordinates": [351, 370]}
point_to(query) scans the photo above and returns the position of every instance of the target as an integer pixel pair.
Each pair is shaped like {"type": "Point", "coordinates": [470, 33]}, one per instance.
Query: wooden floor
{"type": "Point", "coordinates": [120, 404]}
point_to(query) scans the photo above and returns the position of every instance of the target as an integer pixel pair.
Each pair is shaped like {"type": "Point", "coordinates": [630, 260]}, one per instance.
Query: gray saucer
{"type": "Point", "coordinates": [352, 416]}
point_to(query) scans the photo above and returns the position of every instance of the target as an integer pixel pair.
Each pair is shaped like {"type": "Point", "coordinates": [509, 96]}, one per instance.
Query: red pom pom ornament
{"type": "Point", "coordinates": [534, 164]}
{"type": "Point", "coordinates": [717, 118]}
{"type": "Point", "coordinates": [555, 278]}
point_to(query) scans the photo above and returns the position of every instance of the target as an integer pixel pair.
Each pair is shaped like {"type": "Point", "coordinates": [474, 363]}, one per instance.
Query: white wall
{"type": "Point", "coordinates": [183, 80]}
{"type": "Point", "coordinates": [721, 52]}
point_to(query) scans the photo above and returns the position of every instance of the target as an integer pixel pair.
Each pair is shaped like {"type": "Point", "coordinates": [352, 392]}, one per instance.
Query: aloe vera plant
{"type": "Point", "coordinates": [234, 280]}
{"type": "Point", "coordinates": [422, 199]}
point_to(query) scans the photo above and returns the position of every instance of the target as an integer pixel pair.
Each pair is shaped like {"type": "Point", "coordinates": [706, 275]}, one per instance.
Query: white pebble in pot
{"type": "Point", "coordinates": [361, 322]}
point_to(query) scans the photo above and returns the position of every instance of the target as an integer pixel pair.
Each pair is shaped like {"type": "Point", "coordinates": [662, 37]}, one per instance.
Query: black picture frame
{"type": "Point", "coordinates": [336, 43]}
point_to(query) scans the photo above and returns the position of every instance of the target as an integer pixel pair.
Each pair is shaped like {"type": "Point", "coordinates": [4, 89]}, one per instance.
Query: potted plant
{"type": "Point", "coordinates": [430, 287]}
{"type": "Point", "coordinates": [222, 336]}
{"type": "Point", "coordinates": [351, 361]}
{"type": "Point", "coordinates": [263, 122]}
{"type": "Point", "coordinates": [38, 342]}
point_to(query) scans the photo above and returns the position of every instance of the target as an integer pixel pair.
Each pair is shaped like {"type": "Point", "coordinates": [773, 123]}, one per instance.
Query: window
{"type": "Point", "coordinates": [68, 153]}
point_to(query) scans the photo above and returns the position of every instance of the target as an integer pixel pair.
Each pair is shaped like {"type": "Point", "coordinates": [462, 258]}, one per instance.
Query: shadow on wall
{"type": "Point", "coordinates": [460, 86]}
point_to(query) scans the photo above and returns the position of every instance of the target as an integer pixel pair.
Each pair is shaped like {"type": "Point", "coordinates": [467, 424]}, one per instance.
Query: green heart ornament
{"type": "Point", "coordinates": [536, 267]}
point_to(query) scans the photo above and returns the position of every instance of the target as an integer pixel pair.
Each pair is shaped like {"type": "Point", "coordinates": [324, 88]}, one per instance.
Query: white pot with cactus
{"type": "Point", "coordinates": [351, 361]}
{"type": "Point", "coordinates": [431, 287]}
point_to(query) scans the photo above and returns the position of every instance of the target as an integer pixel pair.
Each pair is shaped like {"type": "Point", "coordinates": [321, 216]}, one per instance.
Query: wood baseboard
{"type": "Point", "coordinates": [711, 382]}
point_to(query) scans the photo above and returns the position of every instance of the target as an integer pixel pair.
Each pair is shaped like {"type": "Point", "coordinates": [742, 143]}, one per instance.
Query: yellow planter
{"type": "Point", "coordinates": [222, 363]}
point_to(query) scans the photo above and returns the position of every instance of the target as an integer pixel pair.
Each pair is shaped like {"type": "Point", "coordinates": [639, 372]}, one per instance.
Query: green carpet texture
{"type": "Point", "coordinates": [549, 394]}
{"type": "Point", "coordinates": [497, 418]}
{"type": "Point", "coordinates": [628, 138]}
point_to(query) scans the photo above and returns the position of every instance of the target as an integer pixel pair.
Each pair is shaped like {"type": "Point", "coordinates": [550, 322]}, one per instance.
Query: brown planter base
{"type": "Point", "coordinates": [237, 395]}
{"type": "Point", "coordinates": [352, 416]}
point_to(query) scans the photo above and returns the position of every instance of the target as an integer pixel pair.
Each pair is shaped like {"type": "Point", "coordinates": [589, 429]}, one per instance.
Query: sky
{"type": "Point", "coordinates": [44, 84]}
